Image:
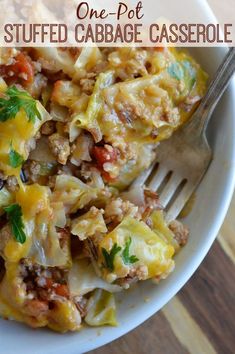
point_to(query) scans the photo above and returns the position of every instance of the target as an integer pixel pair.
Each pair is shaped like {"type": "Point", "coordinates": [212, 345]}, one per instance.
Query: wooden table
{"type": "Point", "coordinates": [201, 318]}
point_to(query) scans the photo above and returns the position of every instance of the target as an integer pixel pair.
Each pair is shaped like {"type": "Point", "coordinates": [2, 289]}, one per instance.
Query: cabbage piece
{"type": "Point", "coordinates": [134, 246]}
{"type": "Point", "coordinates": [142, 106]}
{"type": "Point", "coordinates": [162, 230]}
{"type": "Point", "coordinates": [83, 279]}
{"type": "Point", "coordinates": [150, 108]}
{"type": "Point", "coordinates": [46, 249]}
{"type": "Point", "coordinates": [144, 156]}
{"type": "Point", "coordinates": [88, 224]}
{"type": "Point", "coordinates": [88, 120]}
{"type": "Point", "coordinates": [6, 198]}
{"type": "Point", "coordinates": [41, 221]}
{"type": "Point", "coordinates": [35, 196]}
{"type": "Point", "coordinates": [42, 152]}
{"type": "Point", "coordinates": [59, 217]}
{"type": "Point", "coordinates": [101, 309]}
{"type": "Point", "coordinates": [56, 59]}
{"type": "Point", "coordinates": [76, 109]}
{"type": "Point", "coordinates": [87, 59]}
{"type": "Point", "coordinates": [73, 193]}
{"type": "Point", "coordinates": [75, 66]}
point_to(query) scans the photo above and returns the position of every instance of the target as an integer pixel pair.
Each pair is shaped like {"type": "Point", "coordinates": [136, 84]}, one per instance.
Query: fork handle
{"type": "Point", "coordinates": [216, 89]}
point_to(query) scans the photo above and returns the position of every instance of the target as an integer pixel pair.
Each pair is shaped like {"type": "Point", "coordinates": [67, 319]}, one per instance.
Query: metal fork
{"type": "Point", "coordinates": [183, 160]}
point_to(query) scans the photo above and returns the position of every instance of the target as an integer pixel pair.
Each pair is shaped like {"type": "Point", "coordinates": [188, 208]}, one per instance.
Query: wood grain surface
{"type": "Point", "coordinates": [201, 318]}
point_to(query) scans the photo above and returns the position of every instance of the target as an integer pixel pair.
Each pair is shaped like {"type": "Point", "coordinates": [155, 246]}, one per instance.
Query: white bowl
{"type": "Point", "coordinates": [213, 198]}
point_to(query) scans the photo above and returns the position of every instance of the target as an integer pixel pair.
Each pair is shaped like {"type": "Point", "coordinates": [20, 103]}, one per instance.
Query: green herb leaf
{"type": "Point", "coordinates": [15, 159]}
{"type": "Point", "coordinates": [127, 259]}
{"type": "Point", "coordinates": [109, 257]}
{"type": "Point", "coordinates": [16, 100]}
{"type": "Point", "coordinates": [14, 215]}
{"type": "Point", "coordinates": [176, 71]}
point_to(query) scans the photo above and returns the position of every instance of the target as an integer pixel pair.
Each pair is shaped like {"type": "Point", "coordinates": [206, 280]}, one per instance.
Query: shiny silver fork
{"type": "Point", "coordinates": [183, 160]}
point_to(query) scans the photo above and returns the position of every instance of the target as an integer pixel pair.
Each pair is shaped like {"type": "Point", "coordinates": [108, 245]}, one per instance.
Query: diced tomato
{"type": "Point", "coordinates": [103, 155]}
{"type": "Point", "coordinates": [21, 70]}
{"type": "Point", "coordinates": [62, 290]}
{"type": "Point", "coordinates": [49, 283]}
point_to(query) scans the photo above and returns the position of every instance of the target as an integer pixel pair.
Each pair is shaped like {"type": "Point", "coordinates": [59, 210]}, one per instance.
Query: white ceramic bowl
{"type": "Point", "coordinates": [213, 198]}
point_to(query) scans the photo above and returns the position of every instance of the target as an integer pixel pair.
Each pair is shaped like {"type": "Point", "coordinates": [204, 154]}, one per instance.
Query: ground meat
{"type": "Point", "coordinates": [32, 170]}
{"type": "Point", "coordinates": [127, 113]}
{"type": "Point", "coordinates": [48, 128]}
{"type": "Point", "coordinates": [12, 184]}
{"type": "Point", "coordinates": [117, 209]}
{"type": "Point", "coordinates": [88, 83]}
{"type": "Point", "coordinates": [126, 282]}
{"type": "Point", "coordinates": [135, 274]}
{"type": "Point", "coordinates": [60, 147]}
{"type": "Point", "coordinates": [44, 283]}
{"type": "Point", "coordinates": [152, 199]}
{"type": "Point", "coordinates": [151, 202]}
{"type": "Point", "coordinates": [180, 231]}
{"type": "Point", "coordinates": [141, 272]}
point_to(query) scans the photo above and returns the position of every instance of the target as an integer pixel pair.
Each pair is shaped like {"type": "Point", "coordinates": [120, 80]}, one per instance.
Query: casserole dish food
{"type": "Point", "coordinates": [77, 126]}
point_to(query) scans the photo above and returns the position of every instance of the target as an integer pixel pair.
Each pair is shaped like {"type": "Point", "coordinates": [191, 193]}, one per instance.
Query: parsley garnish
{"type": "Point", "coordinates": [14, 215]}
{"type": "Point", "coordinates": [109, 257]}
{"type": "Point", "coordinates": [127, 259]}
{"type": "Point", "coordinates": [15, 159]}
{"type": "Point", "coordinates": [14, 101]}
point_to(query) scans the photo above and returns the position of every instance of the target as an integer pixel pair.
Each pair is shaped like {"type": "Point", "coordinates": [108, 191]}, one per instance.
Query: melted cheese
{"type": "Point", "coordinates": [33, 199]}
